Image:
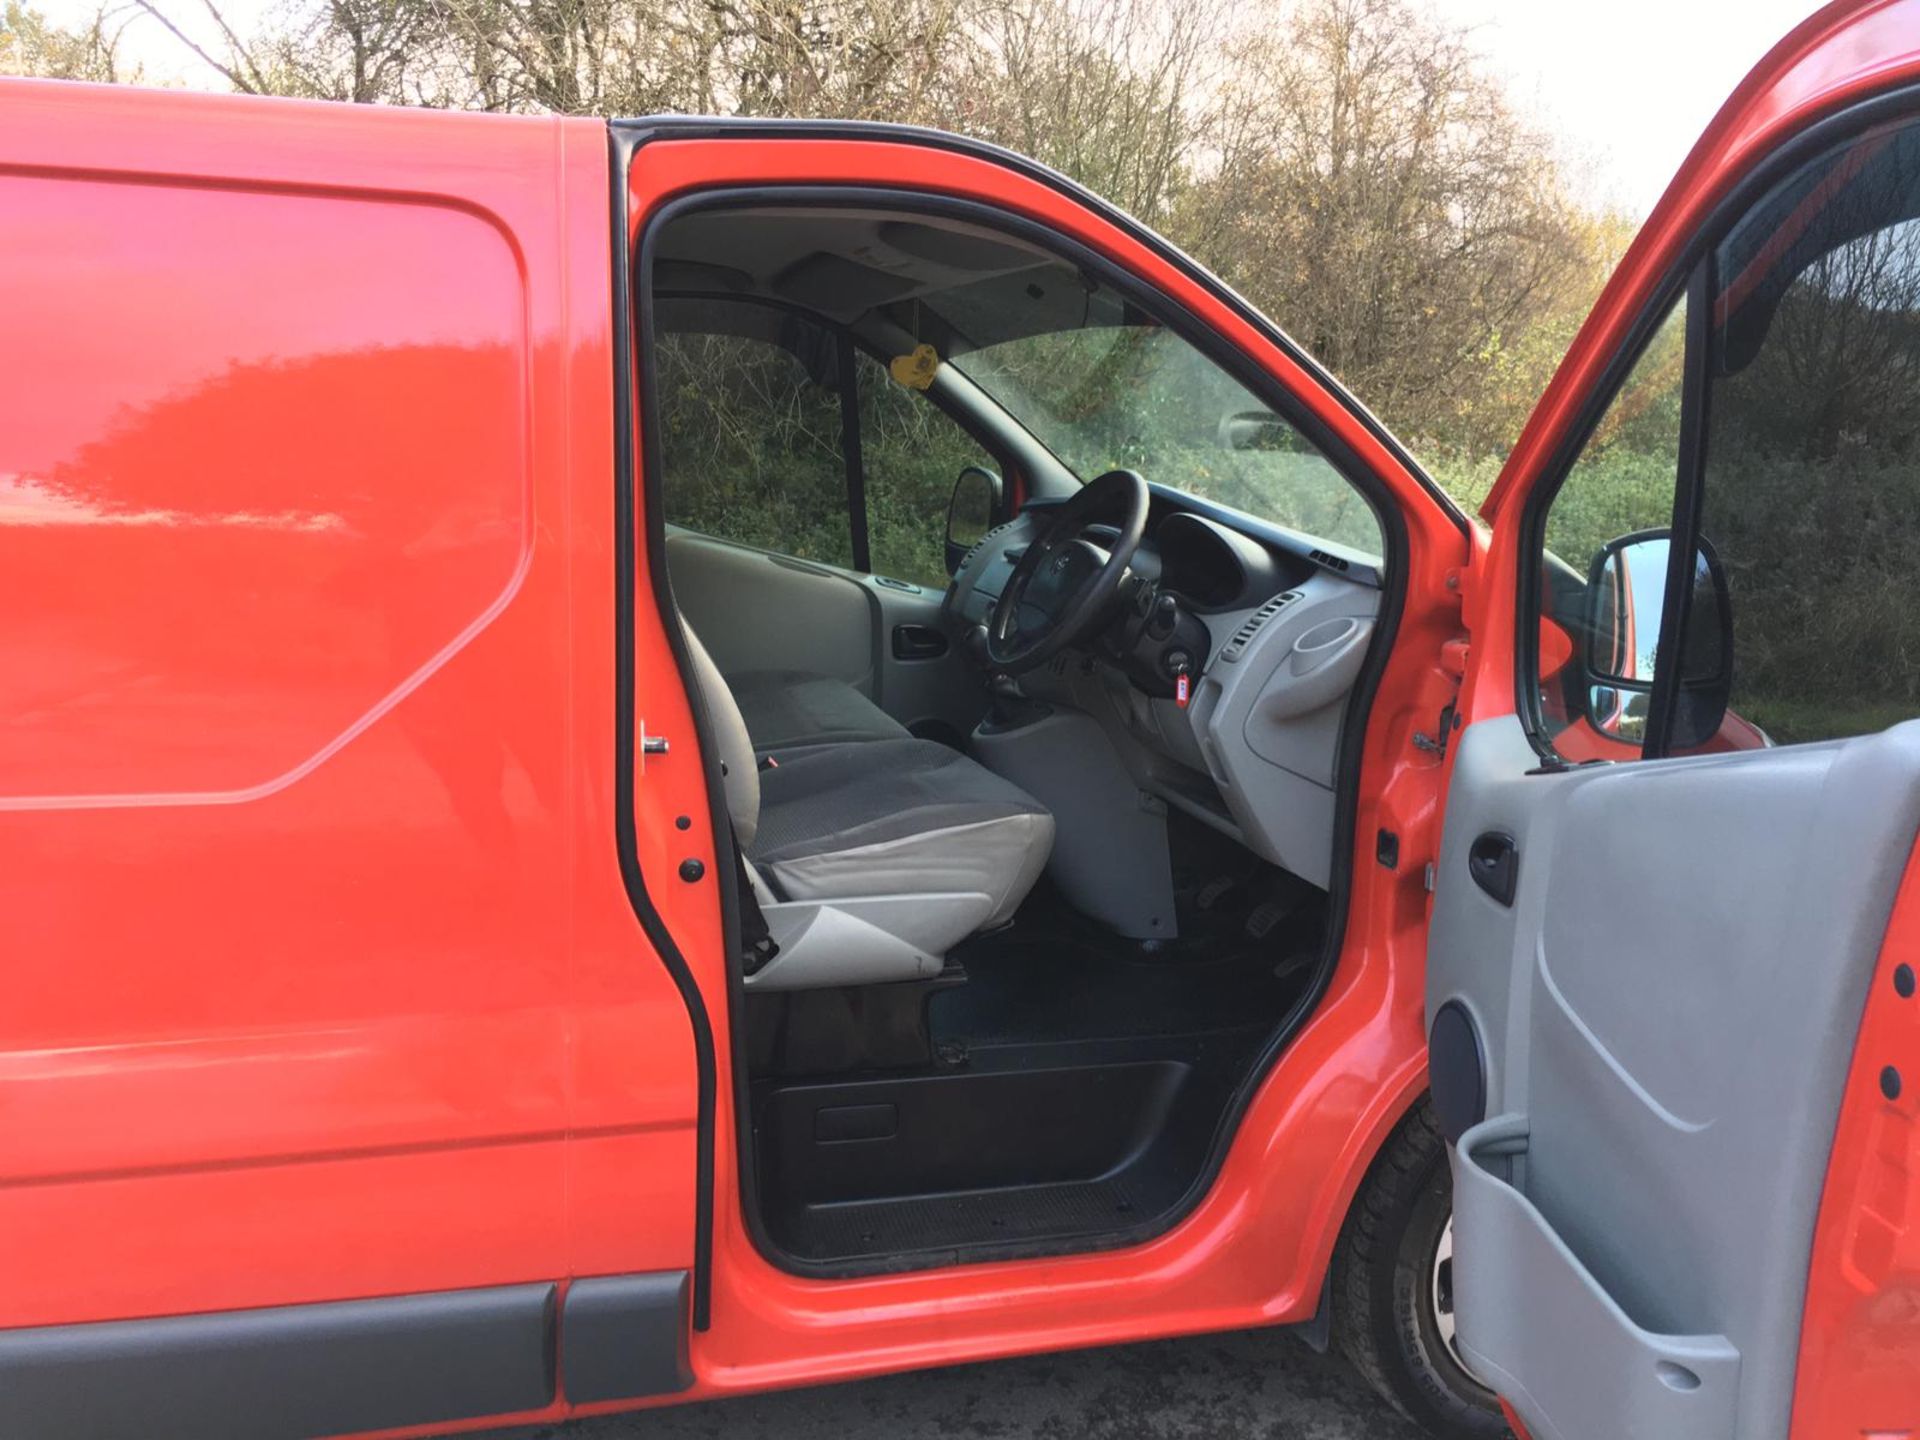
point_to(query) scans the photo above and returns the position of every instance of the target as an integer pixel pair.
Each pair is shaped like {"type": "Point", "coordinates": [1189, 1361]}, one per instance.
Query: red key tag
{"type": "Point", "coordinates": [1180, 691]}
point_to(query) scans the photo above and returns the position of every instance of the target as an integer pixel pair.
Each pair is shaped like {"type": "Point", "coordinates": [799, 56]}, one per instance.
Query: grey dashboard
{"type": "Point", "coordinates": [1213, 558]}
{"type": "Point", "coordinates": [1253, 754]}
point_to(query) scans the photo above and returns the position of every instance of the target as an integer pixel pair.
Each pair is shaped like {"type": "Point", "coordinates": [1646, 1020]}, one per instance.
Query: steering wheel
{"type": "Point", "coordinates": [1064, 582]}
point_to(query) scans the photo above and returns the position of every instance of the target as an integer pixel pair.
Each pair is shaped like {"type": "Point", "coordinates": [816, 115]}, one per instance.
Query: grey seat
{"type": "Point", "coordinates": [784, 709]}
{"type": "Point", "coordinates": [872, 860]}
{"type": "Point", "coordinates": [898, 817]}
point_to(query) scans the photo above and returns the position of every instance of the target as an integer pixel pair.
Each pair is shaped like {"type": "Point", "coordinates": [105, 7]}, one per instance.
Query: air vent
{"type": "Point", "coordinates": [1332, 562]}
{"type": "Point", "coordinates": [1243, 637]}
{"type": "Point", "coordinates": [979, 545]}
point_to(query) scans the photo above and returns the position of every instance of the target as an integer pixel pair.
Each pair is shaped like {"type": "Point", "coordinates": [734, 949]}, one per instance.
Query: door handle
{"type": "Point", "coordinates": [918, 642]}
{"type": "Point", "coordinates": [1494, 862]}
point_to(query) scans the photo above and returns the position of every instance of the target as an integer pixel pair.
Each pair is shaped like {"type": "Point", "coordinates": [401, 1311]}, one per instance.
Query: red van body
{"type": "Point", "coordinates": [367, 980]}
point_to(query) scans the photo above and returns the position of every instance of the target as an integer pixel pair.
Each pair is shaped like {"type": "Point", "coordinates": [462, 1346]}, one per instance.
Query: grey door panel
{"type": "Point", "coordinates": [1667, 1011]}
{"type": "Point", "coordinates": [940, 689]}
{"type": "Point", "coordinates": [754, 610]}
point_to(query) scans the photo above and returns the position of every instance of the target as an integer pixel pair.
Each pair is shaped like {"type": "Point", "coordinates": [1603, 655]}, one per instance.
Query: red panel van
{"type": "Point", "coordinates": [643, 761]}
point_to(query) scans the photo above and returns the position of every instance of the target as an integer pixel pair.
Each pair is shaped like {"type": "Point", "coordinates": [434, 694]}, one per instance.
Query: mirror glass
{"type": "Point", "coordinates": [1620, 711]}
{"type": "Point", "coordinates": [970, 515]}
{"type": "Point", "coordinates": [1626, 596]}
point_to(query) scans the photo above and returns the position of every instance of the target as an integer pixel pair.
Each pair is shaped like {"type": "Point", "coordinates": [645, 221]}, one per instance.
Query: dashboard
{"type": "Point", "coordinates": [1211, 558]}
{"type": "Point", "coordinates": [1271, 629]}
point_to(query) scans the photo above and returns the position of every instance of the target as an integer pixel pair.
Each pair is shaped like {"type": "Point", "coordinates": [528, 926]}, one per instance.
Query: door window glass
{"type": "Point", "coordinates": [750, 432]}
{"type": "Point", "coordinates": [1811, 471]}
{"type": "Point", "coordinates": [1794, 622]}
{"type": "Point", "coordinates": [753, 442]}
{"type": "Point", "coordinates": [1601, 575]}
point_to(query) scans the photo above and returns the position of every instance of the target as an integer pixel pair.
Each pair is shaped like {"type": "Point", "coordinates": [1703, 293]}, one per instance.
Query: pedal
{"type": "Point", "coordinates": [1264, 916]}
{"type": "Point", "coordinates": [1298, 960]}
{"type": "Point", "coordinates": [1211, 893]}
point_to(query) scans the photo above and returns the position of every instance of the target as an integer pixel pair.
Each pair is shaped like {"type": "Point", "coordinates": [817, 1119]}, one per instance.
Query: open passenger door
{"type": "Point", "coordinates": [1673, 1033]}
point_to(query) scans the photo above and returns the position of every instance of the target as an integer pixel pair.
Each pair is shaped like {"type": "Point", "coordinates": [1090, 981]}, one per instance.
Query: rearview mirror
{"type": "Point", "coordinates": [976, 500]}
{"type": "Point", "coordinates": [1626, 608]}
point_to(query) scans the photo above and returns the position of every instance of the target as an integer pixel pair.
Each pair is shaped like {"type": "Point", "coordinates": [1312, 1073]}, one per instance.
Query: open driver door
{"type": "Point", "coordinates": [1674, 1039]}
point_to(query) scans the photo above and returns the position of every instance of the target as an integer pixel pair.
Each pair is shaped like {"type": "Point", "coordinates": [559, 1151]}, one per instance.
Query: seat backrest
{"type": "Point", "coordinates": [739, 770]}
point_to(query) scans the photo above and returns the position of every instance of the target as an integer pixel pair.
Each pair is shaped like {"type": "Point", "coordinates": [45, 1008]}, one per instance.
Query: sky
{"type": "Point", "coordinates": [1626, 86]}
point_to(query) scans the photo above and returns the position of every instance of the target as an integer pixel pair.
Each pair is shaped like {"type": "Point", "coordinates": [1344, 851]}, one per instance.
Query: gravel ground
{"type": "Point", "coordinates": [1246, 1386]}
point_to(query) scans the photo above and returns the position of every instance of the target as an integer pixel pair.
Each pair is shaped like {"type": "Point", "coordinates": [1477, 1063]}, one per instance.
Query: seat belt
{"type": "Point", "coordinates": [757, 946]}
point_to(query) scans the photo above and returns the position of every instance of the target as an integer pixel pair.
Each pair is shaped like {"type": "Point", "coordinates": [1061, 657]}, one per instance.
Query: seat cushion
{"type": "Point", "coordinates": [898, 817]}
{"type": "Point", "coordinates": [787, 708]}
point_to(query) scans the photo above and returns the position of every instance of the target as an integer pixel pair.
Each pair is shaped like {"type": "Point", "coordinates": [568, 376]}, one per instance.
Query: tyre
{"type": "Point", "coordinates": [1393, 1287]}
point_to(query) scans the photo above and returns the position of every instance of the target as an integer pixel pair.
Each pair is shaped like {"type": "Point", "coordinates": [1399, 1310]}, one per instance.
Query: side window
{"type": "Point", "coordinates": [750, 437]}
{"type": "Point", "coordinates": [755, 447]}
{"type": "Point", "coordinates": [1732, 560]}
{"type": "Point", "coordinates": [911, 453]}
{"type": "Point", "coordinates": [1622, 485]}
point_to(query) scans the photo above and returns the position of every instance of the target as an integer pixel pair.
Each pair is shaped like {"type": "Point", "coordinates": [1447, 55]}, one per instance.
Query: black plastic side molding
{"type": "Point", "coordinates": [294, 1372]}
{"type": "Point", "coordinates": [624, 1336]}
{"type": "Point", "coordinates": [285, 1373]}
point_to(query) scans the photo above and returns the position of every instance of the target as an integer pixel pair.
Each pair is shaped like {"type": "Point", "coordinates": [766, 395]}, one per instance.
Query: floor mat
{"type": "Point", "coordinates": [1053, 976]}
{"type": "Point", "coordinates": [1043, 1046]}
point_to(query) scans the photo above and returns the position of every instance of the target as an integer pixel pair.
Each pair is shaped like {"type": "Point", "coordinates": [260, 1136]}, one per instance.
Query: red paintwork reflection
{"type": "Point", "coordinates": [265, 463]}
{"type": "Point", "coordinates": [306, 509]}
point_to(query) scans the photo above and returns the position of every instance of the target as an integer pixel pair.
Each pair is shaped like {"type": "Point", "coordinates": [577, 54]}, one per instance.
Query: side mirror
{"type": "Point", "coordinates": [1257, 430]}
{"type": "Point", "coordinates": [1626, 606]}
{"type": "Point", "coordinates": [976, 500]}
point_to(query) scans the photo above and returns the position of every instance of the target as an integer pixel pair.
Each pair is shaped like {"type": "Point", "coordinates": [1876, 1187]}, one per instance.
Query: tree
{"type": "Point", "coordinates": [32, 45]}
{"type": "Point", "coordinates": [1348, 164]}
{"type": "Point", "coordinates": [1117, 94]}
{"type": "Point", "coordinates": [1377, 193]}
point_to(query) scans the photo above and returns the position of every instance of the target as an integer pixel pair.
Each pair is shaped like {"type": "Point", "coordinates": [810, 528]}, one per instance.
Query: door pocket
{"type": "Point", "coordinates": [1526, 1306]}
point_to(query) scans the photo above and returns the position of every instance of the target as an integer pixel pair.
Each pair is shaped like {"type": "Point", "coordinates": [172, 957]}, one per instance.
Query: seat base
{"type": "Point", "coordinates": [868, 940]}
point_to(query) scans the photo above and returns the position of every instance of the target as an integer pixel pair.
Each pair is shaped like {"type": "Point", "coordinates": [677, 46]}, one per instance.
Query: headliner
{"type": "Point", "coordinates": [956, 285]}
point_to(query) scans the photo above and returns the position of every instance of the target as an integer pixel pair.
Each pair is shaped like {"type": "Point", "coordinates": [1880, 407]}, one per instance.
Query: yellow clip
{"type": "Point", "coordinates": [915, 371]}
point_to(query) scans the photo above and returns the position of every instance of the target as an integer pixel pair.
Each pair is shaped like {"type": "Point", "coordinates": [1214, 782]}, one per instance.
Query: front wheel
{"type": "Point", "coordinates": [1393, 1287]}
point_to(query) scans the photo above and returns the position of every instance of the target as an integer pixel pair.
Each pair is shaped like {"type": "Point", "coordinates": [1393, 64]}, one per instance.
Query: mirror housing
{"type": "Point", "coordinates": [1626, 605]}
{"type": "Point", "coordinates": [976, 500]}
